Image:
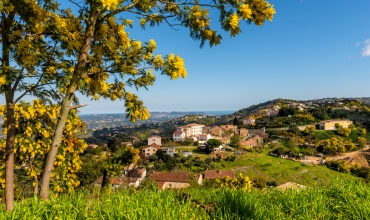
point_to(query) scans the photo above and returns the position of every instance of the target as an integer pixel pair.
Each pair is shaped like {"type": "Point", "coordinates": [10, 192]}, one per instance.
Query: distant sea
{"type": "Point", "coordinates": [226, 112]}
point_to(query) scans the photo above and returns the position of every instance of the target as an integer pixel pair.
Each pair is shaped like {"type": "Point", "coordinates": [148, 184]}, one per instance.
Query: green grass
{"type": "Point", "coordinates": [339, 200]}
{"type": "Point", "coordinates": [282, 170]}
{"type": "Point", "coordinates": [117, 205]}
{"type": "Point", "coordinates": [342, 199]}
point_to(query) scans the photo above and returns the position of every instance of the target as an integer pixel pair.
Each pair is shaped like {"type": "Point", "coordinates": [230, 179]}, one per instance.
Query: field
{"type": "Point", "coordinates": [282, 170]}
{"type": "Point", "coordinates": [342, 199]}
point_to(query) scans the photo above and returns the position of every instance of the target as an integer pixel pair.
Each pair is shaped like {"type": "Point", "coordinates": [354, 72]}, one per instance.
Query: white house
{"type": "Point", "coordinates": [150, 150]}
{"type": "Point", "coordinates": [154, 139]}
{"type": "Point", "coordinates": [187, 131]}
{"type": "Point", "coordinates": [169, 150]}
{"type": "Point", "coordinates": [204, 137]}
{"type": "Point", "coordinates": [178, 135]}
{"type": "Point", "coordinates": [249, 121]}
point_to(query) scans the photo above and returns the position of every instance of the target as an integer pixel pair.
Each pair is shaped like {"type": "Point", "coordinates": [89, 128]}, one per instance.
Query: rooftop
{"type": "Point", "coordinates": [218, 174]}
{"type": "Point", "coordinates": [170, 177]}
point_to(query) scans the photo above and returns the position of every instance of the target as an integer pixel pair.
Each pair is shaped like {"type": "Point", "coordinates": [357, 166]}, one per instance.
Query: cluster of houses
{"type": "Point", "coordinates": [154, 144]}
{"type": "Point", "coordinates": [202, 133]}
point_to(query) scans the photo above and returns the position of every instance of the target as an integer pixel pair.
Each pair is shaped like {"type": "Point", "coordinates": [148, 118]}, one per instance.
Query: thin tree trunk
{"type": "Point", "coordinates": [9, 154]}
{"type": "Point", "coordinates": [66, 106]}
{"type": "Point", "coordinates": [104, 182]}
{"type": "Point", "coordinates": [9, 97]}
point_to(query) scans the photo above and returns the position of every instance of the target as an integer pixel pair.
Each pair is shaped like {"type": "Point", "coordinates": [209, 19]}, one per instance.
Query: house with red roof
{"type": "Point", "coordinates": [150, 150]}
{"type": "Point", "coordinates": [218, 174]}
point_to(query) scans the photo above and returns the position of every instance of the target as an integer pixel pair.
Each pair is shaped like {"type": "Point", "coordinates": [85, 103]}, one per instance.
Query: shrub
{"type": "Point", "coordinates": [259, 182]}
{"type": "Point", "coordinates": [339, 165]}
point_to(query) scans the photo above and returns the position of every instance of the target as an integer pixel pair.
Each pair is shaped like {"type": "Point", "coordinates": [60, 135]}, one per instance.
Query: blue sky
{"type": "Point", "coordinates": [312, 49]}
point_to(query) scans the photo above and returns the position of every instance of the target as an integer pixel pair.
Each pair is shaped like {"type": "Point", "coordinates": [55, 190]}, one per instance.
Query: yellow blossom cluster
{"type": "Point", "coordinates": [175, 67]}
{"type": "Point", "coordinates": [135, 108]}
{"type": "Point", "coordinates": [234, 24]}
{"type": "Point", "coordinates": [262, 10]}
{"type": "Point", "coordinates": [256, 10]}
{"type": "Point", "coordinates": [241, 182]}
{"type": "Point", "coordinates": [199, 18]}
{"type": "Point", "coordinates": [35, 124]}
{"type": "Point", "coordinates": [109, 4]}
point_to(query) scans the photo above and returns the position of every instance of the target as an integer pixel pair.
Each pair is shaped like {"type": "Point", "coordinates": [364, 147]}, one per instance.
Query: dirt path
{"type": "Point", "coordinates": [349, 154]}
{"type": "Point", "coordinates": [316, 160]}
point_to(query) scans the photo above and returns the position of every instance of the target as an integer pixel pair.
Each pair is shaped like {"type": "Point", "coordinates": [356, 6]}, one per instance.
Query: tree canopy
{"type": "Point", "coordinates": [89, 51]}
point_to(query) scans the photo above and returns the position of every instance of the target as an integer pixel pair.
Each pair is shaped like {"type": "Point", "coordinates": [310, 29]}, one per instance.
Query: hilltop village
{"type": "Point", "coordinates": [330, 134]}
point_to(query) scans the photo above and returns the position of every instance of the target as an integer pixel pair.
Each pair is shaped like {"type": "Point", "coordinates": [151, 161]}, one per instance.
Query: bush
{"type": "Point", "coordinates": [259, 182]}
{"type": "Point", "coordinates": [338, 165]}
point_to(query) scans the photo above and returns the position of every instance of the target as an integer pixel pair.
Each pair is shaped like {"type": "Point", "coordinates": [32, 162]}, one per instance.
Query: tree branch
{"type": "Point", "coordinates": [19, 78]}
{"type": "Point", "coordinates": [29, 90]}
{"type": "Point", "coordinates": [77, 106]}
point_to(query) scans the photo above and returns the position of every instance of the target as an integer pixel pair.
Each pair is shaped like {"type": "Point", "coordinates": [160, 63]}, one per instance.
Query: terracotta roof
{"type": "Point", "coordinates": [249, 141]}
{"type": "Point", "coordinates": [154, 136]}
{"type": "Point", "coordinates": [160, 184]}
{"type": "Point", "coordinates": [178, 132]}
{"type": "Point", "coordinates": [169, 177]}
{"type": "Point", "coordinates": [218, 174]}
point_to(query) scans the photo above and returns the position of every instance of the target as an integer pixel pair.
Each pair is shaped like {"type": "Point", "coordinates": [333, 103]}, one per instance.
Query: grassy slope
{"type": "Point", "coordinates": [339, 200]}
{"type": "Point", "coordinates": [282, 170]}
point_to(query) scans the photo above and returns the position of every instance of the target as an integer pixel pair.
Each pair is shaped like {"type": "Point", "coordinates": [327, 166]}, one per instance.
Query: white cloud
{"type": "Point", "coordinates": [366, 49]}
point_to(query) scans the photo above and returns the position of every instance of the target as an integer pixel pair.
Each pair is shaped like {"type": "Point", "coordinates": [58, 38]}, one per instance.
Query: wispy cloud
{"type": "Point", "coordinates": [366, 49]}
{"type": "Point", "coordinates": [357, 44]}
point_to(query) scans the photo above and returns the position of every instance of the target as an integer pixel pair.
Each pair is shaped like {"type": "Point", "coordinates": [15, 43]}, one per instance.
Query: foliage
{"type": "Point", "coordinates": [309, 129]}
{"type": "Point", "coordinates": [363, 172]}
{"type": "Point", "coordinates": [34, 123]}
{"type": "Point", "coordinates": [259, 182]}
{"type": "Point", "coordinates": [235, 141]}
{"type": "Point", "coordinates": [304, 117]}
{"type": "Point", "coordinates": [113, 162]}
{"type": "Point", "coordinates": [213, 143]}
{"type": "Point", "coordinates": [90, 170]}
{"type": "Point", "coordinates": [339, 165]}
{"type": "Point", "coordinates": [286, 111]}
{"type": "Point", "coordinates": [361, 141]}
{"type": "Point", "coordinates": [235, 121]}
{"type": "Point", "coordinates": [241, 182]}
{"type": "Point", "coordinates": [279, 151]}
{"type": "Point", "coordinates": [338, 200]}
{"type": "Point", "coordinates": [342, 130]}
{"type": "Point", "coordinates": [333, 145]}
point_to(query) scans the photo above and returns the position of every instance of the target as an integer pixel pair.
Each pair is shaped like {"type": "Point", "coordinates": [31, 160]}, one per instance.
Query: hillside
{"type": "Point", "coordinates": [338, 200]}
{"type": "Point", "coordinates": [281, 170]}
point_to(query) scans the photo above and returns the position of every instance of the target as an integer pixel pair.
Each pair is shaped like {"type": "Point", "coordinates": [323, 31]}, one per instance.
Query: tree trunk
{"type": "Point", "coordinates": [105, 180]}
{"type": "Point", "coordinates": [49, 165]}
{"type": "Point", "coordinates": [9, 98]}
{"type": "Point", "coordinates": [66, 106]}
{"type": "Point", "coordinates": [9, 154]}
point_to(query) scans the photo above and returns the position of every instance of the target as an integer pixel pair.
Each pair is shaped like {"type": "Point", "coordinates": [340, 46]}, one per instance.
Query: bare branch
{"type": "Point", "coordinates": [77, 106]}
{"type": "Point", "coordinates": [29, 90]}
{"type": "Point", "coordinates": [19, 78]}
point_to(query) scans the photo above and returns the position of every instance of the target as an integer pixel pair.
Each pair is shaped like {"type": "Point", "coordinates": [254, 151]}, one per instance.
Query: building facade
{"type": "Point", "coordinates": [330, 124]}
